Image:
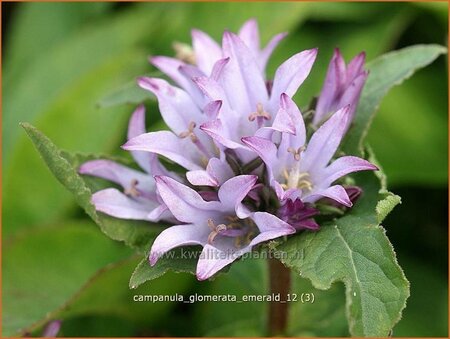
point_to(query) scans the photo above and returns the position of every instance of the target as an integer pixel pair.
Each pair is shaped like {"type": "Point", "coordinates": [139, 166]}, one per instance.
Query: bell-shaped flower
{"type": "Point", "coordinates": [211, 113]}
{"type": "Point", "coordinates": [343, 85]}
{"type": "Point", "coordinates": [139, 199]}
{"type": "Point", "coordinates": [297, 170]}
{"type": "Point", "coordinates": [225, 228]}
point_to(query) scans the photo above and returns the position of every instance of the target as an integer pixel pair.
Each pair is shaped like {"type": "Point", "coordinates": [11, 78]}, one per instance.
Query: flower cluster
{"type": "Point", "coordinates": [250, 173]}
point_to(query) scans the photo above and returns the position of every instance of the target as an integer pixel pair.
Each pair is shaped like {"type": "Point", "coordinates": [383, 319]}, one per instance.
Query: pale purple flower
{"type": "Point", "coordinates": [223, 113]}
{"type": "Point", "coordinates": [225, 228]}
{"type": "Point", "coordinates": [296, 170]}
{"type": "Point", "coordinates": [209, 113]}
{"type": "Point", "coordinates": [343, 85]}
{"type": "Point", "coordinates": [139, 199]}
{"type": "Point", "coordinates": [52, 329]}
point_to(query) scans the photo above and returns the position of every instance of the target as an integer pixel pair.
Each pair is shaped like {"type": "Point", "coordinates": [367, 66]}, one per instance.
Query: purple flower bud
{"type": "Point", "coordinates": [343, 85]}
{"type": "Point", "coordinates": [298, 214]}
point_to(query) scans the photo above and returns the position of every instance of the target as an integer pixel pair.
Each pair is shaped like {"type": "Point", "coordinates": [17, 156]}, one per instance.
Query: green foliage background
{"type": "Point", "coordinates": [61, 63]}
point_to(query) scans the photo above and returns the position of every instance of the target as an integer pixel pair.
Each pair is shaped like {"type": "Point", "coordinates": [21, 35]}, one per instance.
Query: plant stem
{"type": "Point", "coordinates": [280, 282]}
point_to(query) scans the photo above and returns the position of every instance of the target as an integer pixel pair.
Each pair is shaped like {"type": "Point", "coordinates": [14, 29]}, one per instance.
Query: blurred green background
{"type": "Point", "coordinates": [62, 61]}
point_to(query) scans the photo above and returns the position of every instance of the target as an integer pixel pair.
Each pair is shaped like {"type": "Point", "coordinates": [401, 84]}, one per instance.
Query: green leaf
{"type": "Point", "coordinates": [178, 260]}
{"type": "Point", "coordinates": [389, 70]}
{"type": "Point", "coordinates": [355, 250]}
{"type": "Point", "coordinates": [129, 93]}
{"type": "Point", "coordinates": [43, 269]}
{"type": "Point", "coordinates": [325, 317]}
{"type": "Point", "coordinates": [64, 167]}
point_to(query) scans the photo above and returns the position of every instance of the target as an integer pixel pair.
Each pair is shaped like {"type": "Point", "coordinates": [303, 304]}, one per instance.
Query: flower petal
{"type": "Point", "coordinates": [170, 66]}
{"type": "Point", "coordinates": [270, 227]}
{"type": "Point", "coordinates": [325, 141]}
{"type": "Point", "coordinates": [333, 79]}
{"type": "Point", "coordinates": [217, 172]}
{"type": "Point", "coordinates": [342, 86]}
{"type": "Point", "coordinates": [356, 66]}
{"type": "Point", "coordinates": [343, 166]}
{"type": "Point", "coordinates": [220, 170]}
{"type": "Point", "coordinates": [242, 78]}
{"type": "Point", "coordinates": [206, 50]}
{"type": "Point", "coordinates": [52, 329]}
{"type": "Point", "coordinates": [233, 191]}
{"type": "Point", "coordinates": [291, 74]}
{"type": "Point", "coordinates": [218, 68]}
{"type": "Point", "coordinates": [167, 144]}
{"type": "Point", "coordinates": [176, 106]}
{"type": "Point", "coordinates": [212, 109]}
{"type": "Point", "coordinates": [113, 202]}
{"type": "Point", "coordinates": [215, 257]}
{"type": "Point", "coordinates": [351, 95]}
{"type": "Point", "coordinates": [126, 177]}
{"type": "Point", "coordinates": [201, 178]}
{"type": "Point", "coordinates": [289, 119]}
{"type": "Point", "coordinates": [249, 34]}
{"type": "Point", "coordinates": [136, 127]}
{"type": "Point", "coordinates": [185, 203]}
{"type": "Point", "coordinates": [336, 192]}
{"type": "Point", "coordinates": [161, 212]}
{"type": "Point", "coordinates": [265, 54]}
{"type": "Point", "coordinates": [223, 251]}
{"type": "Point", "coordinates": [266, 150]}
{"type": "Point", "coordinates": [176, 236]}
{"type": "Point", "coordinates": [216, 130]}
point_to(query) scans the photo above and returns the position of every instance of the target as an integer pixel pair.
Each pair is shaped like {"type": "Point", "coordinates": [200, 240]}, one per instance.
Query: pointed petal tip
{"type": "Point", "coordinates": [158, 178]}
{"type": "Point", "coordinates": [138, 113]}
{"type": "Point", "coordinates": [313, 51]}
{"type": "Point", "coordinates": [251, 21]}
{"type": "Point", "coordinates": [85, 168]}
{"type": "Point", "coordinates": [163, 179]}
{"type": "Point", "coordinates": [284, 96]}
{"type": "Point", "coordinates": [152, 259]}
{"type": "Point", "coordinates": [150, 84]}
{"type": "Point", "coordinates": [146, 83]}
{"type": "Point", "coordinates": [347, 203]}
{"type": "Point", "coordinates": [153, 59]}
{"type": "Point", "coordinates": [195, 31]}
{"type": "Point", "coordinates": [128, 146]}
{"type": "Point", "coordinates": [201, 276]}
{"type": "Point", "coordinates": [247, 140]}
{"type": "Point", "coordinates": [373, 167]}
